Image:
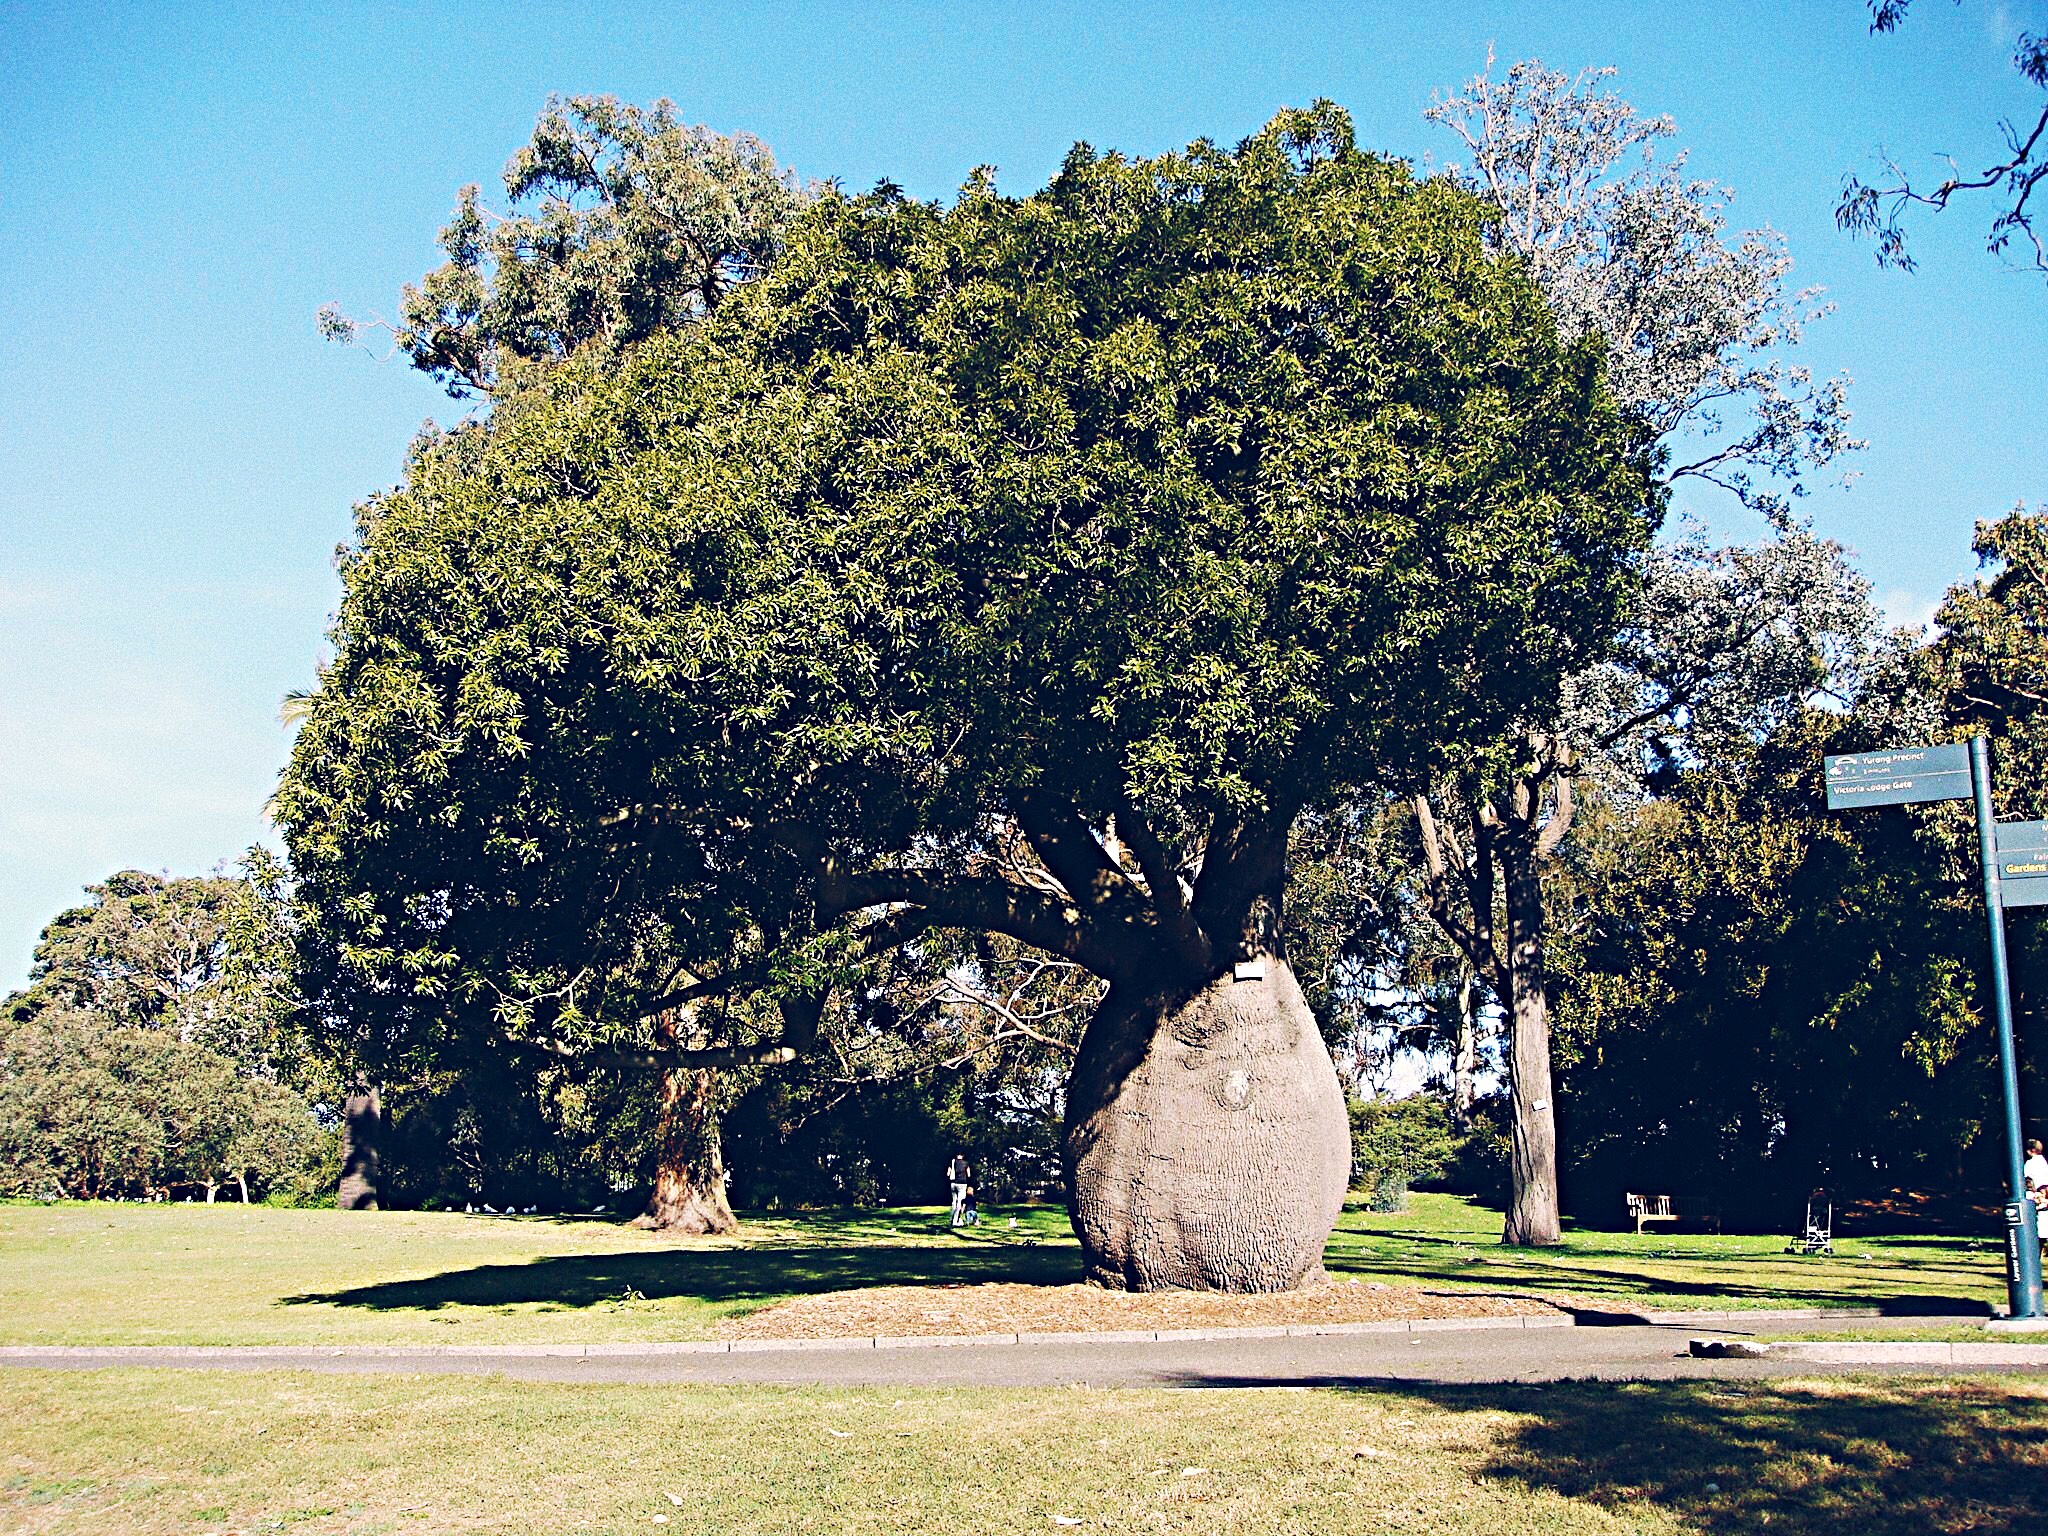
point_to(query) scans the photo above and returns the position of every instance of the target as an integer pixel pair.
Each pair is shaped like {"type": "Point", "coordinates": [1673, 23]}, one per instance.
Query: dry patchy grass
{"type": "Point", "coordinates": [213, 1452]}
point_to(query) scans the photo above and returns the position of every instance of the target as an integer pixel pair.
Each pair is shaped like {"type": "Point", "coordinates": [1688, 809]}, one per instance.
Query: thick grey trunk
{"type": "Point", "coordinates": [689, 1174]}
{"type": "Point", "coordinates": [361, 1120]}
{"type": "Point", "coordinates": [1207, 1144]}
{"type": "Point", "coordinates": [1532, 1151]}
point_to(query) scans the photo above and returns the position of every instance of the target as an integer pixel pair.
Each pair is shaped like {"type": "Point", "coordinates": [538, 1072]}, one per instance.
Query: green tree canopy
{"type": "Point", "coordinates": [626, 221]}
{"type": "Point", "coordinates": [187, 955]}
{"type": "Point", "coordinates": [1025, 565]}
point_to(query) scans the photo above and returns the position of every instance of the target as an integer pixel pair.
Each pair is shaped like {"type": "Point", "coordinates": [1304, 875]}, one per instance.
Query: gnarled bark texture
{"type": "Point", "coordinates": [689, 1172]}
{"type": "Point", "coordinates": [361, 1119]}
{"type": "Point", "coordinates": [1207, 1143]}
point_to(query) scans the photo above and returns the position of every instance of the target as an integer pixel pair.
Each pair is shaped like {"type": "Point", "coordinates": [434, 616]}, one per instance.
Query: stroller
{"type": "Point", "coordinates": [1820, 1226]}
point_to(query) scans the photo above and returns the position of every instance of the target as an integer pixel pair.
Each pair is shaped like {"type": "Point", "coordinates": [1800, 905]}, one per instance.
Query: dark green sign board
{"type": "Point", "coordinates": [1898, 776]}
{"type": "Point", "coordinates": [2013, 858]}
{"type": "Point", "coordinates": [2023, 863]}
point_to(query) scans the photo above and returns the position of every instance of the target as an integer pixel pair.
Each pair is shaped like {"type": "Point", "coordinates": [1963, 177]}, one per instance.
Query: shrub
{"type": "Point", "coordinates": [1399, 1143]}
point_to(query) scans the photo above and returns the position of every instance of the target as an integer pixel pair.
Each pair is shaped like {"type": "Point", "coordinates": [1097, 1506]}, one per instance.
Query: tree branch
{"type": "Point", "coordinates": [1069, 848]}
{"type": "Point", "coordinates": [1470, 926]}
{"type": "Point", "coordinates": [767, 1054]}
{"type": "Point", "coordinates": [1162, 882]}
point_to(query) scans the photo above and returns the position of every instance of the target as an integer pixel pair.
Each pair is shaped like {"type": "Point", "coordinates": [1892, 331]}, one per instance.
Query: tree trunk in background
{"type": "Point", "coordinates": [1465, 1069]}
{"type": "Point", "coordinates": [361, 1120]}
{"type": "Point", "coordinates": [1207, 1142]}
{"type": "Point", "coordinates": [1532, 1207]}
{"type": "Point", "coordinates": [243, 1180]}
{"type": "Point", "coordinates": [689, 1170]}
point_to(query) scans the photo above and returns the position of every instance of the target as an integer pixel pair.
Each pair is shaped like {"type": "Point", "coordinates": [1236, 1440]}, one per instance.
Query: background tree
{"type": "Point", "coordinates": [626, 222]}
{"type": "Point", "coordinates": [1028, 567]}
{"type": "Point", "coordinates": [149, 951]}
{"type": "Point", "coordinates": [1756, 995]}
{"type": "Point", "coordinates": [1630, 247]}
{"type": "Point", "coordinates": [1630, 253]}
{"type": "Point", "coordinates": [277, 1142]}
{"type": "Point", "coordinates": [94, 1109]}
{"type": "Point", "coordinates": [1875, 210]}
{"type": "Point", "coordinates": [148, 1042]}
{"type": "Point", "coordinates": [202, 958]}
{"type": "Point", "coordinates": [1988, 663]}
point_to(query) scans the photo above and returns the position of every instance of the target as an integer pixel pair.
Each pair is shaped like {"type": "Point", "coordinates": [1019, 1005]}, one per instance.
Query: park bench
{"type": "Point", "coordinates": [1644, 1209]}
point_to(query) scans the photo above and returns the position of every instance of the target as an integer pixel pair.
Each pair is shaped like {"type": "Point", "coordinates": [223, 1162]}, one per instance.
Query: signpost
{"type": "Point", "coordinates": [2023, 863]}
{"type": "Point", "coordinates": [2017, 850]}
{"type": "Point", "coordinates": [1900, 776]}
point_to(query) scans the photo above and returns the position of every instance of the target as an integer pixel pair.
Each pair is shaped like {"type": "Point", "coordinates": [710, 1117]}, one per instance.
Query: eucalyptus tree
{"type": "Point", "coordinates": [1026, 566]}
{"type": "Point", "coordinates": [1632, 253]}
{"type": "Point", "coordinates": [182, 955]}
{"type": "Point", "coordinates": [1630, 247]}
{"type": "Point", "coordinates": [1988, 664]}
{"type": "Point", "coordinates": [2011, 174]}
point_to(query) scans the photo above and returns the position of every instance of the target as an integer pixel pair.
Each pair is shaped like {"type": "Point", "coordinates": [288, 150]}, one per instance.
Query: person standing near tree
{"type": "Point", "coordinates": [2035, 1174]}
{"type": "Point", "coordinates": [960, 1174]}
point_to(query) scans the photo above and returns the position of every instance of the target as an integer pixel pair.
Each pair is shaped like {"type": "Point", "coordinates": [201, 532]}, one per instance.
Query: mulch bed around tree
{"type": "Point", "coordinates": [899, 1311]}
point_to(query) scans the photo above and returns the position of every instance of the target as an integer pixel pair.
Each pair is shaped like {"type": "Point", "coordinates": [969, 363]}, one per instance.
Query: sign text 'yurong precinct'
{"type": "Point", "coordinates": [1899, 776]}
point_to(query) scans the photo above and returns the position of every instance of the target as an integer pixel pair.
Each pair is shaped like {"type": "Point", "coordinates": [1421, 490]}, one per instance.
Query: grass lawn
{"type": "Point", "coordinates": [193, 1274]}
{"type": "Point", "coordinates": [199, 1452]}
{"type": "Point", "coordinates": [1445, 1240]}
{"type": "Point", "coordinates": [84, 1273]}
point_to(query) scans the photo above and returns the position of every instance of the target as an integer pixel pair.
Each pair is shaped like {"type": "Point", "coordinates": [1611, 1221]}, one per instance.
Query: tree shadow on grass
{"type": "Point", "coordinates": [1830, 1458]}
{"type": "Point", "coordinates": [1525, 1271]}
{"type": "Point", "coordinates": [758, 1275]}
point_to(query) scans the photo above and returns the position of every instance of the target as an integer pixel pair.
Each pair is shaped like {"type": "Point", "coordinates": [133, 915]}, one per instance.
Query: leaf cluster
{"type": "Point", "coordinates": [1181, 495]}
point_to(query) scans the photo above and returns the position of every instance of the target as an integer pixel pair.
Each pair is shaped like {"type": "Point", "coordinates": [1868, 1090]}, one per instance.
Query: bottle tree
{"type": "Point", "coordinates": [1025, 566]}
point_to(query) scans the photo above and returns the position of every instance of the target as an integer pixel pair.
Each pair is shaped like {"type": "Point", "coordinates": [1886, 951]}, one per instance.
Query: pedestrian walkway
{"type": "Point", "coordinates": [1439, 1350]}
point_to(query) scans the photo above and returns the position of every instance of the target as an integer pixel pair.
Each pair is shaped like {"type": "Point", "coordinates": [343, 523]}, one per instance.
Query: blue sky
{"type": "Point", "coordinates": [183, 185]}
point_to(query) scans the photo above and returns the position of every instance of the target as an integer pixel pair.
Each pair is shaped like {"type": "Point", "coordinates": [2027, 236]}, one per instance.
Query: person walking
{"type": "Point", "coordinates": [961, 1176]}
{"type": "Point", "coordinates": [2035, 1174]}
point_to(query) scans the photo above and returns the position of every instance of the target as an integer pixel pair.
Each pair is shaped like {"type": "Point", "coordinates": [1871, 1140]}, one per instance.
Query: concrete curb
{"type": "Point", "coordinates": [30, 1353]}
{"type": "Point", "coordinates": [1905, 1352]}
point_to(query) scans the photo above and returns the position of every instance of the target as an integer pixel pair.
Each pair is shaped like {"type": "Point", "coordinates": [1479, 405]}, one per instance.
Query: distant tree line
{"type": "Point", "coordinates": [150, 1055]}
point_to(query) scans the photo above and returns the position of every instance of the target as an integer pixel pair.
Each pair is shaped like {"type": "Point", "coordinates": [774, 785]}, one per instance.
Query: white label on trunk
{"type": "Point", "coordinates": [1540, 1105]}
{"type": "Point", "coordinates": [1249, 970]}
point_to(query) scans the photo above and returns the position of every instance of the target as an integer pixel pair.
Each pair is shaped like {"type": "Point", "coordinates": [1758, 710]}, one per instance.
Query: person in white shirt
{"type": "Point", "coordinates": [2035, 1174]}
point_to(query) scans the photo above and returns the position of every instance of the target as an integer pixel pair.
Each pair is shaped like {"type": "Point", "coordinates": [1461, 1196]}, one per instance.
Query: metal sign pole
{"type": "Point", "coordinates": [2022, 1243]}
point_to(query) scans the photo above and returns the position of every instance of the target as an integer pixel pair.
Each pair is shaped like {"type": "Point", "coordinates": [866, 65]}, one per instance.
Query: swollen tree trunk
{"type": "Point", "coordinates": [689, 1173]}
{"type": "Point", "coordinates": [1207, 1143]}
{"type": "Point", "coordinates": [1532, 1153]}
{"type": "Point", "coordinates": [361, 1120]}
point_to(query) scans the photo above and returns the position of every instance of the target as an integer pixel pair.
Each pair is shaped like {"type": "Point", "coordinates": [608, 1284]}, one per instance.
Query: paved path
{"type": "Point", "coordinates": [1636, 1352]}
